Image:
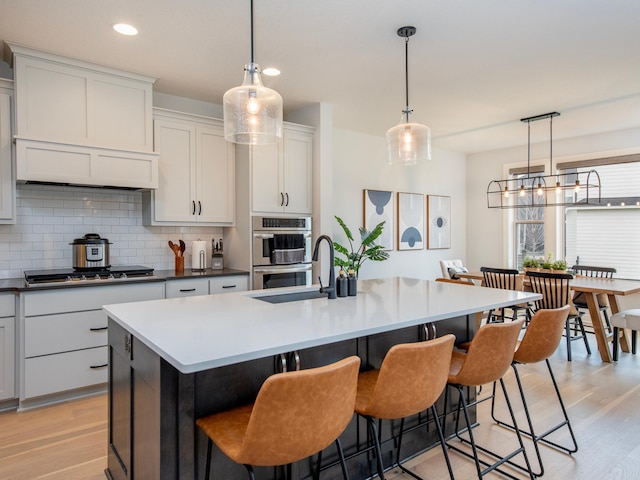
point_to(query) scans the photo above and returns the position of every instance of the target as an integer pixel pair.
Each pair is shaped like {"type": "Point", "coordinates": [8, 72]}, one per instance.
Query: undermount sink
{"type": "Point", "coordinates": [292, 297]}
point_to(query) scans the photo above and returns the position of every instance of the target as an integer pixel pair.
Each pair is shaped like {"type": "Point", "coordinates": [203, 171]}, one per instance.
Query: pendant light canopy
{"type": "Point", "coordinates": [252, 112]}
{"type": "Point", "coordinates": [408, 143]}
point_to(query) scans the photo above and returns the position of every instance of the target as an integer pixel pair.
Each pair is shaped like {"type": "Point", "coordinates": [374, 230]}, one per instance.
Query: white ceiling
{"type": "Point", "coordinates": [475, 66]}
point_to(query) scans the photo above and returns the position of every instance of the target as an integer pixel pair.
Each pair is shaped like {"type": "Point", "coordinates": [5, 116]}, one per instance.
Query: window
{"type": "Point", "coordinates": [529, 229]}
{"type": "Point", "coordinates": [607, 236]}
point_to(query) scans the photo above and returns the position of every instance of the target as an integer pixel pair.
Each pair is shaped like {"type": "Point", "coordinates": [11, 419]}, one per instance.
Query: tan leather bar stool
{"type": "Point", "coordinates": [410, 380]}
{"type": "Point", "coordinates": [489, 356]}
{"type": "Point", "coordinates": [556, 293]}
{"type": "Point", "coordinates": [540, 340]}
{"type": "Point", "coordinates": [626, 319]}
{"type": "Point", "coordinates": [295, 415]}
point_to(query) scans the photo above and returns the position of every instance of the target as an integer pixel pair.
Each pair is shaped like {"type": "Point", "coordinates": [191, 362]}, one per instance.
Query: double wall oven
{"type": "Point", "coordinates": [281, 251]}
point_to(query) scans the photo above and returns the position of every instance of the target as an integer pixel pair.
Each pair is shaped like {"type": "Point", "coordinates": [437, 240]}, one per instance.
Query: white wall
{"type": "Point", "coordinates": [359, 162]}
{"type": "Point", "coordinates": [486, 228]}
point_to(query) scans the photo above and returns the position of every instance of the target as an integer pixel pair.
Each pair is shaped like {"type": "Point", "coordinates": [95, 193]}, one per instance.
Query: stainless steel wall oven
{"type": "Point", "coordinates": [281, 251]}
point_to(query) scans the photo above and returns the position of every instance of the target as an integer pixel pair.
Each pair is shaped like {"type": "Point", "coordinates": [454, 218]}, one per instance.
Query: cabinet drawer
{"type": "Point", "coordinates": [44, 335]}
{"type": "Point", "coordinates": [187, 288]}
{"type": "Point", "coordinates": [75, 299]}
{"type": "Point", "coordinates": [64, 371]}
{"type": "Point", "coordinates": [232, 283]}
{"type": "Point", "coordinates": [7, 305]}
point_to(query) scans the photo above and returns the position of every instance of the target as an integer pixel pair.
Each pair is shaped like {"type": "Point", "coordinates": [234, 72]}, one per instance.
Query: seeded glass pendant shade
{"type": "Point", "coordinates": [252, 112]}
{"type": "Point", "coordinates": [408, 143]}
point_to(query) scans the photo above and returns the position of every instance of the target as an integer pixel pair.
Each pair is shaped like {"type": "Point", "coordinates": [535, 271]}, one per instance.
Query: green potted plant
{"type": "Point", "coordinates": [559, 266]}
{"type": "Point", "coordinates": [547, 263]}
{"type": "Point", "coordinates": [530, 263]}
{"type": "Point", "coordinates": [356, 255]}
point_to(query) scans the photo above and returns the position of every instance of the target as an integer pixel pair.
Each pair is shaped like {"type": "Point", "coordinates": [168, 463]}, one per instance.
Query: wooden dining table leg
{"type": "Point", "coordinates": [598, 327]}
{"type": "Point", "coordinates": [624, 335]}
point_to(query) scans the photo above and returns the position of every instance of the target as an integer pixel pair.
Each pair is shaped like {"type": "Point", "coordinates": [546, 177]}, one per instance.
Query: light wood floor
{"type": "Point", "coordinates": [69, 441]}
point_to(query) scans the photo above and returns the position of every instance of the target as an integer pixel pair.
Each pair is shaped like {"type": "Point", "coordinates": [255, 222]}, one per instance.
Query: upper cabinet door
{"type": "Point", "coordinates": [282, 173]}
{"type": "Point", "coordinates": [175, 196]}
{"type": "Point", "coordinates": [7, 182]}
{"type": "Point", "coordinates": [268, 188]}
{"type": "Point", "coordinates": [215, 177]}
{"type": "Point", "coordinates": [297, 171]}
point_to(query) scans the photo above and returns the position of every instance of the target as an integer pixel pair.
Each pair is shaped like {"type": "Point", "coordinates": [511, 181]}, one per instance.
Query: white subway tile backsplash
{"type": "Point", "coordinates": [49, 217]}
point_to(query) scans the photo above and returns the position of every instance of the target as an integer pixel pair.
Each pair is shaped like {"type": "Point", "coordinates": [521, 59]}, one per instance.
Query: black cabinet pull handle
{"type": "Point", "coordinates": [281, 199]}
{"type": "Point", "coordinates": [187, 289]}
{"type": "Point", "coordinates": [193, 210]}
{"type": "Point", "coordinates": [95, 367]}
{"type": "Point", "coordinates": [199, 207]}
{"type": "Point", "coordinates": [229, 286]}
{"type": "Point", "coordinates": [98, 329]}
{"type": "Point", "coordinates": [287, 204]}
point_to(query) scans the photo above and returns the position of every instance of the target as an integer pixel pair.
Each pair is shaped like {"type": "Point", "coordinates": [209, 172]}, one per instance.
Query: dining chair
{"type": "Point", "coordinates": [505, 279]}
{"type": "Point", "coordinates": [410, 380]}
{"type": "Point", "coordinates": [540, 340]}
{"type": "Point", "coordinates": [451, 267]}
{"type": "Point", "coordinates": [556, 293]}
{"type": "Point", "coordinates": [295, 415]}
{"type": "Point", "coordinates": [580, 299]}
{"type": "Point", "coordinates": [626, 319]}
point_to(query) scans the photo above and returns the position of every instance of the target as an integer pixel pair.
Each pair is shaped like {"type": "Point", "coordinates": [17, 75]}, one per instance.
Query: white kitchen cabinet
{"type": "Point", "coordinates": [7, 346]}
{"type": "Point", "coordinates": [7, 181]}
{"type": "Point", "coordinates": [64, 335]}
{"type": "Point", "coordinates": [228, 284]}
{"type": "Point", "coordinates": [282, 173]}
{"type": "Point", "coordinates": [187, 287]}
{"type": "Point", "coordinates": [196, 172]}
{"type": "Point", "coordinates": [82, 123]}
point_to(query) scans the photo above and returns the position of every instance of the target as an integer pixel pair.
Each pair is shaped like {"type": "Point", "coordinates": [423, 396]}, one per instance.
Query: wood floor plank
{"type": "Point", "coordinates": [69, 441]}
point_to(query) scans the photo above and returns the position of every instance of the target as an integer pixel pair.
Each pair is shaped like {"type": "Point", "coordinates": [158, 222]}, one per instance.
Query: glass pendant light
{"type": "Point", "coordinates": [252, 112]}
{"type": "Point", "coordinates": [408, 143]}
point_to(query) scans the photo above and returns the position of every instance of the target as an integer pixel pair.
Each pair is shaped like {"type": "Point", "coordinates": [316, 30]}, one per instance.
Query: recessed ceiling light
{"type": "Point", "coordinates": [271, 72]}
{"type": "Point", "coordinates": [125, 29]}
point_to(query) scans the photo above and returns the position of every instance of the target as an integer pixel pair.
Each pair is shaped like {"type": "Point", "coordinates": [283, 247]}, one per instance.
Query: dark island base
{"type": "Point", "coordinates": [153, 408]}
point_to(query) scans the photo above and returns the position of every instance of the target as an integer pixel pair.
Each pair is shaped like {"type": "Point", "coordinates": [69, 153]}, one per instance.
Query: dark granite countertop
{"type": "Point", "coordinates": [17, 285]}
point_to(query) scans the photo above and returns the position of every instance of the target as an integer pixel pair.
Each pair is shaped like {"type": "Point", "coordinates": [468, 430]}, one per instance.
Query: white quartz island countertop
{"type": "Point", "coordinates": [198, 333]}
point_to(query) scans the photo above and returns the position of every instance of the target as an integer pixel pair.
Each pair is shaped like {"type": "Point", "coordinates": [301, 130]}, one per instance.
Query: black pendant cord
{"type": "Point", "coordinates": [252, 32]}
{"type": "Point", "coordinates": [528, 147]}
{"type": "Point", "coordinates": [406, 75]}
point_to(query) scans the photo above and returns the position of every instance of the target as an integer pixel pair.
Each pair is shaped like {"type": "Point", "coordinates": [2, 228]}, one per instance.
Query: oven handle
{"type": "Point", "coordinates": [287, 268]}
{"type": "Point", "coordinates": [270, 235]}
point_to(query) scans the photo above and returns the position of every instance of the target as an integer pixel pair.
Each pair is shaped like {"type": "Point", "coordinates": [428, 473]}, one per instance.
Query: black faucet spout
{"type": "Point", "coordinates": [331, 289]}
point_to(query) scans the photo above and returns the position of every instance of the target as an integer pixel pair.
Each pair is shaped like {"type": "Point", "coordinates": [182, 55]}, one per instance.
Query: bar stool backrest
{"type": "Point", "coordinates": [554, 288]}
{"type": "Point", "coordinates": [490, 354]}
{"type": "Point", "coordinates": [297, 414]}
{"type": "Point", "coordinates": [505, 279]}
{"type": "Point", "coordinates": [542, 336]}
{"type": "Point", "coordinates": [411, 378]}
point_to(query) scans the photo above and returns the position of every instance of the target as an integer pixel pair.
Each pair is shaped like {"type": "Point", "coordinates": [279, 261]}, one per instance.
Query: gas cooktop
{"type": "Point", "coordinates": [73, 277]}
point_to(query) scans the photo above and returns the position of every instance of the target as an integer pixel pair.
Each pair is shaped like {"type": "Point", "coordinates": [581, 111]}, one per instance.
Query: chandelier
{"type": "Point", "coordinates": [562, 189]}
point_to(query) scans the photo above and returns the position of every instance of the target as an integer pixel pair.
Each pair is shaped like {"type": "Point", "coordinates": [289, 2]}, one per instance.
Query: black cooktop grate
{"type": "Point", "coordinates": [35, 277]}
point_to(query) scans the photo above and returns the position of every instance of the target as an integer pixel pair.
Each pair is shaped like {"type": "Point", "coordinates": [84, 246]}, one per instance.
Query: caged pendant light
{"type": "Point", "coordinates": [252, 112]}
{"type": "Point", "coordinates": [408, 143]}
{"type": "Point", "coordinates": [557, 189]}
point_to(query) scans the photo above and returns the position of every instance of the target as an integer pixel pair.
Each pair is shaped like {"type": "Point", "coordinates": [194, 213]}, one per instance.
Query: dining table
{"type": "Point", "coordinates": [613, 288]}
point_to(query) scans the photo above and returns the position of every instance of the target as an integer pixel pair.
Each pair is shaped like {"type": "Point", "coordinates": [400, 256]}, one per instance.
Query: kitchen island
{"type": "Point", "coordinates": [172, 361]}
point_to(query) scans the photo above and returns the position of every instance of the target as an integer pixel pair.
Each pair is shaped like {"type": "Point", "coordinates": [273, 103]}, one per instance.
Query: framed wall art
{"type": "Point", "coordinates": [379, 206]}
{"type": "Point", "coordinates": [410, 221]}
{"type": "Point", "coordinates": [438, 222]}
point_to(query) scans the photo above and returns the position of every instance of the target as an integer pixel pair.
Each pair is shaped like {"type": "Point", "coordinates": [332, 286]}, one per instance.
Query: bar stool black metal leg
{"type": "Point", "coordinates": [207, 471]}
{"type": "Point", "coordinates": [374, 433]}
{"type": "Point", "coordinates": [616, 342]}
{"type": "Point", "coordinates": [343, 463]}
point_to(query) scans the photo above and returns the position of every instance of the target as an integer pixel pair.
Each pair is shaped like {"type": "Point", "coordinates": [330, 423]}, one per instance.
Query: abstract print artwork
{"type": "Point", "coordinates": [378, 207]}
{"type": "Point", "coordinates": [438, 222]}
{"type": "Point", "coordinates": [410, 221]}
